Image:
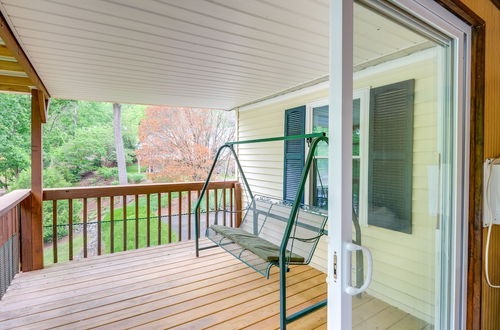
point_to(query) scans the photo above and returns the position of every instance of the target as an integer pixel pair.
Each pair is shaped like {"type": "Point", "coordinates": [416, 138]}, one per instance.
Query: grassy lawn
{"type": "Point", "coordinates": [131, 224]}
{"type": "Point", "coordinates": [134, 169]}
{"type": "Point", "coordinates": [62, 250]}
{"type": "Point", "coordinates": [143, 222]}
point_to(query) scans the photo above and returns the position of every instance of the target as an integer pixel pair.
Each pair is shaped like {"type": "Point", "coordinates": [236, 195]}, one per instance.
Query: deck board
{"type": "Point", "coordinates": [168, 287]}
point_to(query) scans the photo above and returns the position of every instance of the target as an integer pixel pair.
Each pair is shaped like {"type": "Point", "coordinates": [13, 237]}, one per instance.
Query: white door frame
{"type": "Point", "coordinates": [340, 151]}
{"type": "Point", "coordinates": [340, 163]}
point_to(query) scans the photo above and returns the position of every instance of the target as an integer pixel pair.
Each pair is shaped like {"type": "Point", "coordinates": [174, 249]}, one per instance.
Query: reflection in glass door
{"type": "Point", "coordinates": [403, 138]}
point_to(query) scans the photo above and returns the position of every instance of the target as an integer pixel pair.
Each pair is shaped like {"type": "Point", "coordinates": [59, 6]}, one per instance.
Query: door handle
{"type": "Point", "coordinates": [350, 247]}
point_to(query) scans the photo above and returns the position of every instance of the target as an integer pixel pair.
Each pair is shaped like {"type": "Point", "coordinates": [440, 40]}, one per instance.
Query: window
{"type": "Point", "coordinates": [319, 187]}
{"type": "Point", "coordinates": [320, 162]}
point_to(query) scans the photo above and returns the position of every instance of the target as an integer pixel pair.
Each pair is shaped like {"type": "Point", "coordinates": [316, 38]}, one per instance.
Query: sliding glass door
{"type": "Point", "coordinates": [397, 258]}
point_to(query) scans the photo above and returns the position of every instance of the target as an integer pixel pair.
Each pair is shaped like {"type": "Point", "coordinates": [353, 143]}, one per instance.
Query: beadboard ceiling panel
{"type": "Point", "coordinates": [203, 53]}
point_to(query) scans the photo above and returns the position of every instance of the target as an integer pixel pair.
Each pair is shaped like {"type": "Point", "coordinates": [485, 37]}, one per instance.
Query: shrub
{"type": "Point", "coordinates": [136, 177]}
{"type": "Point", "coordinates": [107, 172]}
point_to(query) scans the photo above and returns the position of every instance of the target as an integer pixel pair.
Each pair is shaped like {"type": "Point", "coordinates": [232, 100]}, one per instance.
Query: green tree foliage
{"type": "Point", "coordinates": [131, 118]}
{"type": "Point", "coordinates": [79, 135]}
{"type": "Point", "coordinates": [89, 149]}
{"type": "Point", "coordinates": [15, 139]}
{"type": "Point", "coordinates": [77, 139]}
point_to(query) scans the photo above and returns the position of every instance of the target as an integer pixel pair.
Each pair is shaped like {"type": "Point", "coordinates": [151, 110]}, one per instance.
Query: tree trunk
{"type": "Point", "coordinates": [120, 150]}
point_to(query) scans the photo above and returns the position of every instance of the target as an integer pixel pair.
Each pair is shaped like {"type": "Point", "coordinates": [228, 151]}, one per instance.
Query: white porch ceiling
{"type": "Point", "coordinates": [198, 53]}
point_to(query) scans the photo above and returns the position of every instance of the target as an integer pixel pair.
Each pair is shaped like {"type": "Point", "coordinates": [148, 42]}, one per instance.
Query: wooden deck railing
{"type": "Point", "coordinates": [96, 220]}
{"type": "Point", "coordinates": [11, 210]}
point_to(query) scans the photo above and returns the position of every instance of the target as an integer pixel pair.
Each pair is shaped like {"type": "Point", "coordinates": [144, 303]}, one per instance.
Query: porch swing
{"type": "Point", "coordinates": [273, 232]}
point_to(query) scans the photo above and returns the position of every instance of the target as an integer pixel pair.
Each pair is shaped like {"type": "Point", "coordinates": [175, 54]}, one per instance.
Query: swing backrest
{"type": "Point", "coordinates": [267, 218]}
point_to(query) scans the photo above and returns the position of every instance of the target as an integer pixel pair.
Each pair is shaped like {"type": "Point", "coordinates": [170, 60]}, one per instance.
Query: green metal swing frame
{"type": "Point", "coordinates": [314, 139]}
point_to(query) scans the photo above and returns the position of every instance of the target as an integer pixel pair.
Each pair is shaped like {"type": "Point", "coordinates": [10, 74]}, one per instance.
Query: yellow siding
{"type": "Point", "coordinates": [263, 162]}
{"type": "Point", "coordinates": [404, 265]}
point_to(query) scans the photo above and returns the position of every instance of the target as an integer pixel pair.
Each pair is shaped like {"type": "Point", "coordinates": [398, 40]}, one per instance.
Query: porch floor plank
{"type": "Point", "coordinates": [168, 287]}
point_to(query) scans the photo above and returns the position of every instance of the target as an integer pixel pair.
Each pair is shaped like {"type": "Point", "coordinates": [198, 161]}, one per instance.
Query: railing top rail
{"type": "Point", "coordinates": [10, 200]}
{"type": "Point", "coordinates": [132, 189]}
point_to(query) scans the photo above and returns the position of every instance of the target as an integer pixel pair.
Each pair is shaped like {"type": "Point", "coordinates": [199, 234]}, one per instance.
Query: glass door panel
{"type": "Point", "coordinates": [407, 190]}
{"type": "Point", "coordinates": [397, 144]}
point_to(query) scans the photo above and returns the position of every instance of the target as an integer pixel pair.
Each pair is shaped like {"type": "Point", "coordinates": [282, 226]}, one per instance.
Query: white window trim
{"type": "Point", "coordinates": [364, 108]}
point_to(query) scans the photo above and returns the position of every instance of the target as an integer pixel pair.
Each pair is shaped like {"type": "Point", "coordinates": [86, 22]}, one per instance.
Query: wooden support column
{"type": "Point", "coordinates": [34, 257]}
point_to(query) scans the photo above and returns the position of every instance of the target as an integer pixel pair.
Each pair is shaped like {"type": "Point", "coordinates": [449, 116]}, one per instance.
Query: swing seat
{"type": "Point", "coordinates": [264, 249]}
{"type": "Point", "coordinates": [257, 241]}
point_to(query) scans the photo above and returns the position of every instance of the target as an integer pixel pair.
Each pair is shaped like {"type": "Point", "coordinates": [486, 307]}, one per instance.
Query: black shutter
{"type": "Point", "coordinates": [391, 156]}
{"type": "Point", "coordinates": [295, 124]}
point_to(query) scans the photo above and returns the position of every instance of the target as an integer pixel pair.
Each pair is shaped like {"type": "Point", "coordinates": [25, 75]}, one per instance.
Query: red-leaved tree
{"type": "Point", "coordinates": [179, 144]}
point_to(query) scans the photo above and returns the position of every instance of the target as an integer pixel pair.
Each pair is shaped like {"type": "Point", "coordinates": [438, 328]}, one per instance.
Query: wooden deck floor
{"type": "Point", "coordinates": [167, 287]}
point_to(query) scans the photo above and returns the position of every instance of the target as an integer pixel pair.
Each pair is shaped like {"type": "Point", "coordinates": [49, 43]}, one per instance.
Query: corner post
{"type": "Point", "coordinates": [38, 116]}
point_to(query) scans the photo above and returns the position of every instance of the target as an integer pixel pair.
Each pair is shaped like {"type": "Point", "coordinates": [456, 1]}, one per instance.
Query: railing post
{"type": "Point", "coordinates": [238, 198]}
{"type": "Point", "coordinates": [26, 242]}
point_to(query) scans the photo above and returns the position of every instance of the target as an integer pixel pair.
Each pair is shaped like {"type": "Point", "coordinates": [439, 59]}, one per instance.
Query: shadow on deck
{"type": "Point", "coordinates": [167, 287]}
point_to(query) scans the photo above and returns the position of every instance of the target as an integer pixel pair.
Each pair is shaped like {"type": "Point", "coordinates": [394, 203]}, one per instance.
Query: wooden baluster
{"type": "Point", "coordinates": [199, 215]}
{"type": "Point", "coordinates": [159, 218]}
{"type": "Point", "coordinates": [85, 227]}
{"type": "Point", "coordinates": [70, 229]}
{"type": "Point", "coordinates": [238, 201]}
{"type": "Point", "coordinates": [189, 214]}
{"type": "Point", "coordinates": [54, 230]}
{"type": "Point", "coordinates": [169, 217]}
{"type": "Point", "coordinates": [207, 205]}
{"type": "Point", "coordinates": [136, 221]}
{"type": "Point", "coordinates": [216, 206]}
{"type": "Point", "coordinates": [224, 202]}
{"type": "Point", "coordinates": [179, 216]}
{"type": "Point", "coordinates": [99, 229]}
{"type": "Point", "coordinates": [231, 206]}
{"type": "Point", "coordinates": [148, 219]}
{"type": "Point", "coordinates": [112, 223]}
{"type": "Point", "coordinates": [124, 202]}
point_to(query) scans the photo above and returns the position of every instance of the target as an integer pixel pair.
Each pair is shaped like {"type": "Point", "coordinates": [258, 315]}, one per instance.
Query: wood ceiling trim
{"type": "Point", "coordinates": [15, 49]}
{"type": "Point", "coordinates": [15, 88]}
{"type": "Point", "coordinates": [10, 66]}
{"type": "Point", "coordinates": [5, 52]}
{"type": "Point", "coordinates": [18, 81]}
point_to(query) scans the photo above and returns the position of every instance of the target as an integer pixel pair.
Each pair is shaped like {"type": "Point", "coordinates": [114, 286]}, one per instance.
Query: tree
{"type": "Point", "coordinates": [120, 150]}
{"type": "Point", "coordinates": [179, 144]}
{"type": "Point", "coordinates": [85, 152]}
{"type": "Point", "coordinates": [15, 112]}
